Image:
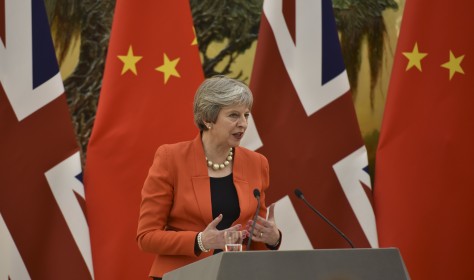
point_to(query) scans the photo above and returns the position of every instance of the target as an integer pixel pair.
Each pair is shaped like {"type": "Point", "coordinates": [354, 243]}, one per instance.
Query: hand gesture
{"type": "Point", "coordinates": [212, 238]}
{"type": "Point", "coordinates": [265, 230]}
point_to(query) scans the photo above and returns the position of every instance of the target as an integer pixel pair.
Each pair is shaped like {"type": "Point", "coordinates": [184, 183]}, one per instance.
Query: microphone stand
{"type": "Point", "coordinates": [256, 193]}
{"type": "Point", "coordinates": [300, 195]}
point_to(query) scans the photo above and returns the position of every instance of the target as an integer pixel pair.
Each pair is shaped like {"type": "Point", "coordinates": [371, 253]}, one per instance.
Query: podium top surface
{"type": "Point", "coordinates": [334, 264]}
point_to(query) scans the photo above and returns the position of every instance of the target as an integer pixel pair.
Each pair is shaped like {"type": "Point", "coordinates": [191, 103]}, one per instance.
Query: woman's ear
{"type": "Point", "coordinates": [207, 124]}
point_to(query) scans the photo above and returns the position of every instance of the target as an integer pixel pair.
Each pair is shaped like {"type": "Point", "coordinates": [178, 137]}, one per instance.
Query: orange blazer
{"type": "Point", "coordinates": [176, 201]}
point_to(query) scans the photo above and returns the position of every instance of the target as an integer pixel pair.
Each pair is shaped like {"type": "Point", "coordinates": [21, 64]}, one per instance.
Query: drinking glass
{"type": "Point", "coordinates": [233, 241]}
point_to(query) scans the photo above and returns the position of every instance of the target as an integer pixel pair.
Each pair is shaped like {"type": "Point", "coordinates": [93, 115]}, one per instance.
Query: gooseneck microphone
{"type": "Point", "coordinates": [300, 195]}
{"type": "Point", "coordinates": [256, 193]}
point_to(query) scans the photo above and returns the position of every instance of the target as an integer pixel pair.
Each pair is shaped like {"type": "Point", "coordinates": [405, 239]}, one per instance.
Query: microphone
{"type": "Point", "coordinates": [256, 193]}
{"type": "Point", "coordinates": [300, 195]}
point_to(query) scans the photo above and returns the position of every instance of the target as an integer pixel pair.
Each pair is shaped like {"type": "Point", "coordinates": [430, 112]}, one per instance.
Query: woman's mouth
{"type": "Point", "coordinates": [238, 135]}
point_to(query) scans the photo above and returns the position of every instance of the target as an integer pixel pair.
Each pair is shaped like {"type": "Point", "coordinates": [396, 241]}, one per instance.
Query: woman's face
{"type": "Point", "coordinates": [230, 125]}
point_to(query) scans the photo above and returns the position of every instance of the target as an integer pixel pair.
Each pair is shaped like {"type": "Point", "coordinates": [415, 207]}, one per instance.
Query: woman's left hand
{"type": "Point", "coordinates": [265, 230]}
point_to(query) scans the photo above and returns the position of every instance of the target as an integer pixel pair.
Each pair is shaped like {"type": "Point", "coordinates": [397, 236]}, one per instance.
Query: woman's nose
{"type": "Point", "coordinates": [243, 121]}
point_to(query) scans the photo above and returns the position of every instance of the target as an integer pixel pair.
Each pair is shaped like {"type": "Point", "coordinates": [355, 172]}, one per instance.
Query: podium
{"type": "Point", "coordinates": [330, 264]}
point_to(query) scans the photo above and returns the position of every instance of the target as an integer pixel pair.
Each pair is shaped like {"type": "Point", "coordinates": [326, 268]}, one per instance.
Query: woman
{"type": "Point", "coordinates": [196, 190]}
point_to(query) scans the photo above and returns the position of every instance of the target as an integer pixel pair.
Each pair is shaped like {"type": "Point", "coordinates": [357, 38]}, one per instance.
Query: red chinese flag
{"type": "Point", "coordinates": [424, 195]}
{"type": "Point", "coordinates": [151, 74]}
{"type": "Point", "coordinates": [43, 228]}
{"type": "Point", "coordinates": [306, 125]}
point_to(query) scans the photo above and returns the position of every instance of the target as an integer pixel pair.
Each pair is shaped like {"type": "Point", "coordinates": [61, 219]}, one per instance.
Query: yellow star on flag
{"type": "Point", "coordinates": [169, 67]}
{"type": "Point", "coordinates": [454, 64]}
{"type": "Point", "coordinates": [195, 41]}
{"type": "Point", "coordinates": [414, 58]}
{"type": "Point", "coordinates": [129, 61]}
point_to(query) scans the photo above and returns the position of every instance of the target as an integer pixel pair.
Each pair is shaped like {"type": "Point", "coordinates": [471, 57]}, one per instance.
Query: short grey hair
{"type": "Point", "coordinates": [214, 94]}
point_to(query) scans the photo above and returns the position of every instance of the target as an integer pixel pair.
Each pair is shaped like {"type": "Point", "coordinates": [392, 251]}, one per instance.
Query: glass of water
{"type": "Point", "coordinates": [233, 241]}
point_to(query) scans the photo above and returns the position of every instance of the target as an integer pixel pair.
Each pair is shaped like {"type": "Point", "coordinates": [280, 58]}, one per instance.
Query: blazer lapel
{"type": "Point", "coordinates": [241, 185]}
{"type": "Point", "coordinates": [203, 197]}
{"type": "Point", "coordinates": [201, 181]}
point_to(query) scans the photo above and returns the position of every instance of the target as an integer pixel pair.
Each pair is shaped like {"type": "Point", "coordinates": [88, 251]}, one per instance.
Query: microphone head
{"type": "Point", "coordinates": [256, 193]}
{"type": "Point", "coordinates": [299, 193]}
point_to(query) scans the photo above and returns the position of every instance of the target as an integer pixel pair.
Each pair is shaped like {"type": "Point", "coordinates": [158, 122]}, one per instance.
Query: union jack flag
{"type": "Point", "coordinates": [43, 229]}
{"type": "Point", "coordinates": [304, 122]}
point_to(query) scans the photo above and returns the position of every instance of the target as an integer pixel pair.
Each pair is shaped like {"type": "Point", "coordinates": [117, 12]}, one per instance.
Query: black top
{"type": "Point", "coordinates": [224, 201]}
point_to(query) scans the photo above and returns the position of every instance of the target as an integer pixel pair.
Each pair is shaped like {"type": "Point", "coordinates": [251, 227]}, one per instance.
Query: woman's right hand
{"type": "Point", "coordinates": [212, 238]}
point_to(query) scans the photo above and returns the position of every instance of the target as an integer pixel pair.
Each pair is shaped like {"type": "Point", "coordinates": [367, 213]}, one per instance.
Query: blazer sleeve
{"type": "Point", "coordinates": [153, 235]}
